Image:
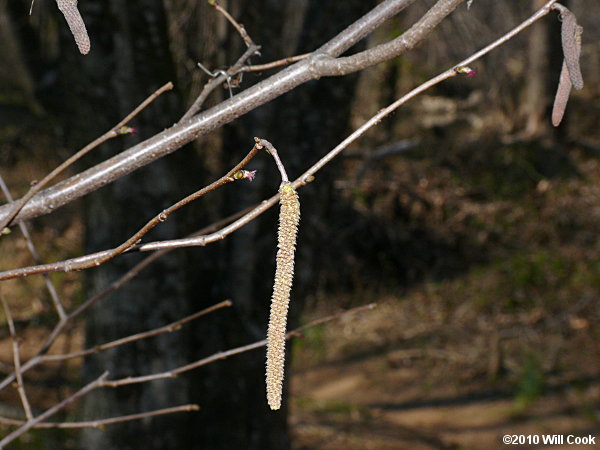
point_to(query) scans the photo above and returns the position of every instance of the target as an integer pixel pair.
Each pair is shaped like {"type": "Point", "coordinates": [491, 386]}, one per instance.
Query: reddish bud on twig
{"type": "Point", "coordinates": [127, 130]}
{"type": "Point", "coordinates": [466, 70]}
{"type": "Point", "coordinates": [247, 174]}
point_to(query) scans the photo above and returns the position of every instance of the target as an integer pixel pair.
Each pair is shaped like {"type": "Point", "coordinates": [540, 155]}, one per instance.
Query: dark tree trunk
{"type": "Point", "coordinates": [131, 56]}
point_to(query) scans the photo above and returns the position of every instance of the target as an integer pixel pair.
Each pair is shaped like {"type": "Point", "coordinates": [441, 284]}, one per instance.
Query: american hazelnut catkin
{"type": "Point", "coordinates": [289, 217]}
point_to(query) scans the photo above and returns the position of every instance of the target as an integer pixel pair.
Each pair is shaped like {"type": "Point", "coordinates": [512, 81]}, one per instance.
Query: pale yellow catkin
{"type": "Point", "coordinates": [289, 217]}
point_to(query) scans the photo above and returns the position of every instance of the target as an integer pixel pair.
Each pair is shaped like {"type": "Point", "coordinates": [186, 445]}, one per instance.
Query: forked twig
{"type": "Point", "coordinates": [31, 423]}
{"type": "Point", "coordinates": [218, 79]}
{"type": "Point", "coordinates": [103, 382]}
{"type": "Point", "coordinates": [115, 285]}
{"type": "Point", "coordinates": [41, 357]}
{"type": "Point", "coordinates": [98, 258]}
{"type": "Point", "coordinates": [238, 26]}
{"type": "Point", "coordinates": [16, 358]}
{"type": "Point", "coordinates": [221, 77]}
{"type": "Point", "coordinates": [308, 175]}
{"type": "Point", "coordinates": [60, 310]}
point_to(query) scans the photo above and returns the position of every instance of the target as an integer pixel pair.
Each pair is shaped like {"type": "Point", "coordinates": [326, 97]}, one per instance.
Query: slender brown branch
{"type": "Point", "coordinates": [31, 423]}
{"type": "Point", "coordinates": [16, 358]}
{"type": "Point", "coordinates": [60, 327]}
{"type": "Point", "coordinates": [60, 310]}
{"type": "Point", "coordinates": [273, 152]}
{"type": "Point", "coordinates": [238, 26]}
{"type": "Point", "coordinates": [98, 258]}
{"type": "Point", "coordinates": [235, 351]}
{"type": "Point", "coordinates": [274, 64]}
{"type": "Point", "coordinates": [103, 422]}
{"type": "Point", "coordinates": [173, 326]}
{"type": "Point", "coordinates": [117, 284]}
{"type": "Point", "coordinates": [164, 215]}
{"type": "Point", "coordinates": [113, 132]}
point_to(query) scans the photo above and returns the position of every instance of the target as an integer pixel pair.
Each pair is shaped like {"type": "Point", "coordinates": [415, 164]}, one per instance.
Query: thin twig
{"type": "Point", "coordinates": [273, 152]}
{"type": "Point", "coordinates": [98, 258]}
{"type": "Point", "coordinates": [113, 132]}
{"type": "Point", "coordinates": [164, 215]}
{"type": "Point", "coordinates": [31, 423]}
{"type": "Point", "coordinates": [223, 76]}
{"type": "Point", "coordinates": [173, 326]}
{"type": "Point", "coordinates": [16, 358]}
{"type": "Point", "coordinates": [238, 26]}
{"type": "Point", "coordinates": [103, 422]}
{"type": "Point", "coordinates": [36, 257]}
{"type": "Point", "coordinates": [42, 357]}
{"type": "Point", "coordinates": [274, 64]}
{"type": "Point", "coordinates": [117, 284]}
{"type": "Point", "coordinates": [235, 351]}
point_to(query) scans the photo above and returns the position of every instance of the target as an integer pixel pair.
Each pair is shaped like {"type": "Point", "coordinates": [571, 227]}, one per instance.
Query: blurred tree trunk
{"type": "Point", "coordinates": [130, 58]}
{"type": "Point", "coordinates": [536, 97]}
{"type": "Point", "coordinates": [134, 51]}
{"type": "Point", "coordinates": [14, 74]}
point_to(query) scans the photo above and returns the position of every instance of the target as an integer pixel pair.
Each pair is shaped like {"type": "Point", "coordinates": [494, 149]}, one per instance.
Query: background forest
{"type": "Point", "coordinates": [467, 219]}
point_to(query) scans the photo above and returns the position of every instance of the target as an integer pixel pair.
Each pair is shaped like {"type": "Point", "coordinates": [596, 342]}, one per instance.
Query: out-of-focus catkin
{"type": "Point", "coordinates": [69, 9]}
{"type": "Point", "coordinates": [289, 218]}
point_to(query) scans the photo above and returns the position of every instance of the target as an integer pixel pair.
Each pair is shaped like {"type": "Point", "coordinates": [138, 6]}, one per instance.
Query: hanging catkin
{"type": "Point", "coordinates": [69, 9]}
{"type": "Point", "coordinates": [570, 74]}
{"type": "Point", "coordinates": [289, 217]}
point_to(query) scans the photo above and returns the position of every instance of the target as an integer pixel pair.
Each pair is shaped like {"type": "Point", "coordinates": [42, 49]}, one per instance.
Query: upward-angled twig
{"type": "Point", "coordinates": [100, 423]}
{"type": "Point", "coordinates": [238, 26]}
{"type": "Point", "coordinates": [31, 423]}
{"type": "Point", "coordinates": [16, 358]}
{"type": "Point", "coordinates": [112, 133]}
{"type": "Point", "coordinates": [234, 351]}
{"type": "Point", "coordinates": [60, 310]}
